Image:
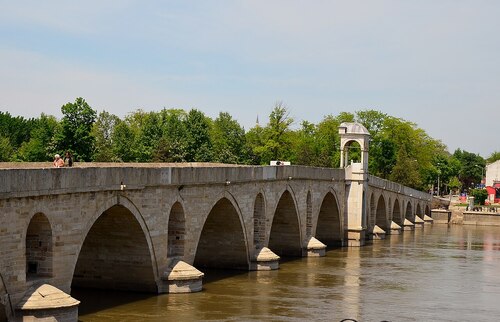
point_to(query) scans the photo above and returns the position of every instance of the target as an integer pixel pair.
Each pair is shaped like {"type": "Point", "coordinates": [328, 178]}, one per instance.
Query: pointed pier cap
{"type": "Point", "coordinates": [395, 226]}
{"type": "Point", "coordinates": [427, 218]}
{"type": "Point", "coordinates": [266, 255]}
{"type": "Point", "coordinates": [44, 297]}
{"type": "Point", "coordinates": [378, 230]}
{"type": "Point", "coordinates": [313, 243]}
{"type": "Point", "coordinates": [408, 223]}
{"type": "Point", "coordinates": [418, 220]}
{"type": "Point", "coordinates": [182, 271]}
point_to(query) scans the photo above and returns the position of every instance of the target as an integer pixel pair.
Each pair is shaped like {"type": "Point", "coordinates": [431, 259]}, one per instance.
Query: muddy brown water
{"type": "Point", "coordinates": [438, 273]}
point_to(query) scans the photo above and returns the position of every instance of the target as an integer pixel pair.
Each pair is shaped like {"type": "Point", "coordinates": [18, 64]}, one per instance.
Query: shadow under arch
{"type": "Point", "coordinates": [419, 212]}
{"type": "Point", "coordinates": [222, 242]}
{"type": "Point", "coordinates": [409, 212]}
{"type": "Point", "coordinates": [39, 247]}
{"type": "Point", "coordinates": [329, 227]}
{"type": "Point", "coordinates": [396, 213]}
{"type": "Point", "coordinates": [309, 219]}
{"type": "Point", "coordinates": [285, 236]}
{"type": "Point", "coordinates": [116, 251]}
{"type": "Point", "coordinates": [427, 210]}
{"type": "Point", "coordinates": [3, 306]}
{"type": "Point", "coordinates": [176, 232]}
{"type": "Point", "coordinates": [373, 210]}
{"type": "Point", "coordinates": [259, 221]}
{"type": "Point", "coordinates": [381, 214]}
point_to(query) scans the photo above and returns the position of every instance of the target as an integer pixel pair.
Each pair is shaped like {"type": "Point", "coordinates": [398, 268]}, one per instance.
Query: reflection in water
{"type": "Point", "coordinates": [352, 283]}
{"type": "Point", "coordinates": [438, 273]}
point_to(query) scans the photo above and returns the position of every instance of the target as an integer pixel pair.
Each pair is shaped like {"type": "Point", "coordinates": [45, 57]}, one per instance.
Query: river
{"type": "Point", "coordinates": [438, 273]}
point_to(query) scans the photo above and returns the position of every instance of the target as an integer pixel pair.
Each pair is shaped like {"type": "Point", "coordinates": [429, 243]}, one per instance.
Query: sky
{"type": "Point", "coordinates": [432, 62]}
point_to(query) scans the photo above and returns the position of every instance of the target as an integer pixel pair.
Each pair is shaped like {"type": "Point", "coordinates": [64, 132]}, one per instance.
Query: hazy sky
{"type": "Point", "coordinates": [435, 63]}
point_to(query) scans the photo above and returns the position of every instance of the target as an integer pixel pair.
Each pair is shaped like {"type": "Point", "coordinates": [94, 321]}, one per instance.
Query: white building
{"type": "Point", "coordinates": [492, 173]}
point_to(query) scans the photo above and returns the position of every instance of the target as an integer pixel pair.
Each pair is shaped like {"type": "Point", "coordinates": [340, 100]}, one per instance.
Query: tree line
{"type": "Point", "coordinates": [399, 150]}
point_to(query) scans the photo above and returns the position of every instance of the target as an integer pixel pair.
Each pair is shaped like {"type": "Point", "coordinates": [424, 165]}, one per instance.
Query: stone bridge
{"type": "Point", "coordinates": [153, 227]}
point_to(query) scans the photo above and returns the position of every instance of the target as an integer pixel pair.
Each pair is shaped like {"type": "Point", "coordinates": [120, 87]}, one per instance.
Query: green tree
{"type": "Point", "coordinates": [5, 149]}
{"type": "Point", "coordinates": [371, 119]}
{"type": "Point", "coordinates": [173, 143]}
{"type": "Point", "coordinates": [471, 167]}
{"type": "Point", "coordinates": [494, 156]}
{"type": "Point", "coordinates": [455, 185]}
{"type": "Point", "coordinates": [479, 195]}
{"type": "Point", "coordinates": [123, 142]}
{"type": "Point", "coordinates": [277, 140]}
{"type": "Point", "coordinates": [16, 129]}
{"type": "Point", "coordinates": [405, 171]}
{"type": "Point", "coordinates": [102, 131]}
{"type": "Point", "coordinates": [254, 145]}
{"type": "Point", "coordinates": [305, 145]}
{"type": "Point", "coordinates": [228, 140]}
{"type": "Point", "coordinates": [76, 125]}
{"type": "Point", "coordinates": [328, 141]}
{"type": "Point", "coordinates": [41, 145]}
{"type": "Point", "coordinates": [199, 146]}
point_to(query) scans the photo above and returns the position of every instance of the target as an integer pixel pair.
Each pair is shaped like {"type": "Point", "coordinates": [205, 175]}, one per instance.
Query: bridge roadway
{"type": "Point", "coordinates": [150, 227]}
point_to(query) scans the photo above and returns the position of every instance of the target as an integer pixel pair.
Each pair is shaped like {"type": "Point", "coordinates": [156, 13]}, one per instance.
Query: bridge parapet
{"type": "Point", "coordinates": [49, 181]}
{"type": "Point", "coordinates": [375, 181]}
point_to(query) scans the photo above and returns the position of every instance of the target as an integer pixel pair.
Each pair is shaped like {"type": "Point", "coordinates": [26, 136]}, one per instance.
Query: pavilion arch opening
{"type": "Point", "coordinates": [419, 212]}
{"type": "Point", "coordinates": [396, 213]}
{"type": "Point", "coordinates": [285, 232]}
{"type": "Point", "coordinates": [176, 233]}
{"type": "Point", "coordinates": [409, 212]}
{"type": "Point", "coordinates": [115, 254]}
{"type": "Point", "coordinates": [39, 247]}
{"type": "Point", "coordinates": [259, 222]}
{"type": "Point", "coordinates": [352, 152]}
{"type": "Point", "coordinates": [329, 229]}
{"type": "Point", "coordinates": [222, 241]}
{"type": "Point", "coordinates": [381, 214]}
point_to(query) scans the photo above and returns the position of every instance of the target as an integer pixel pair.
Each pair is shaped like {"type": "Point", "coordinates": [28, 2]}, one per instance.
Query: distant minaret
{"type": "Point", "coordinates": [257, 121]}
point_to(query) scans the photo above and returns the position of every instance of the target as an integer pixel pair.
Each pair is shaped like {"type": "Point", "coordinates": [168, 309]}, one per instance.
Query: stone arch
{"type": "Point", "coordinates": [285, 238]}
{"type": "Point", "coordinates": [176, 232]}
{"type": "Point", "coordinates": [222, 243]}
{"type": "Point", "coordinates": [419, 211]}
{"type": "Point", "coordinates": [329, 227]}
{"type": "Point", "coordinates": [396, 213]}
{"type": "Point", "coordinates": [259, 221]}
{"type": "Point", "coordinates": [116, 251]}
{"type": "Point", "coordinates": [427, 210]}
{"type": "Point", "coordinates": [409, 212]}
{"type": "Point", "coordinates": [309, 219]}
{"type": "Point", "coordinates": [39, 247]}
{"type": "Point", "coordinates": [381, 214]}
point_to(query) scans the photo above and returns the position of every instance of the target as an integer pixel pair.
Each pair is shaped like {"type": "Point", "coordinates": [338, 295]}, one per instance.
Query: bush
{"type": "Point", "coordinates": [479, 195]}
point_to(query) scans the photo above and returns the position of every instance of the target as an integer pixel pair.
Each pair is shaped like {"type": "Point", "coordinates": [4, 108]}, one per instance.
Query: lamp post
{"type": "Point", "coordinates": [439, 172]}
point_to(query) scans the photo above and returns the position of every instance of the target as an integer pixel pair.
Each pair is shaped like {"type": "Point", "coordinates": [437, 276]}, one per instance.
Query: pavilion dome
{"type": "Point", "coordinates": [353, 127]}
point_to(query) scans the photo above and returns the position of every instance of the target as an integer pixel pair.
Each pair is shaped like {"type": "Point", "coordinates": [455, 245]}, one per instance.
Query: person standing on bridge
{"type": "Point", "coordinates": [58, 162]}
{"type": "Point", "coordinates": [68, 159]}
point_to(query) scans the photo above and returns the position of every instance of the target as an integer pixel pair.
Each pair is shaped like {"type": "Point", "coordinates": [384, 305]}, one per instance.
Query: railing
{"type": "Point", "coordinates": [488, 209]}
